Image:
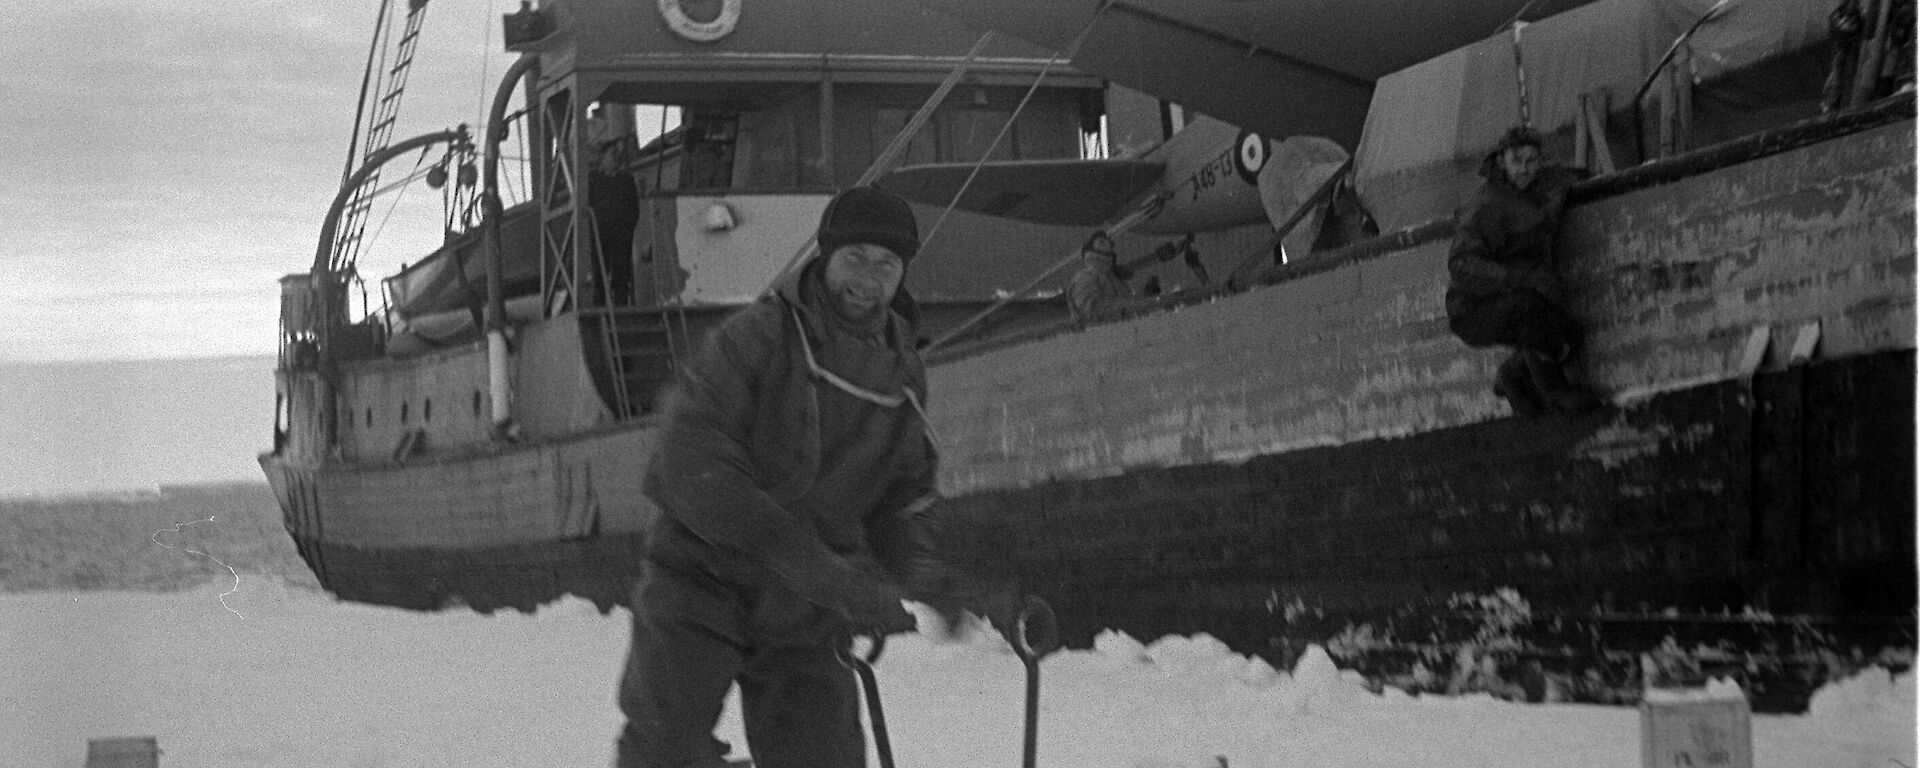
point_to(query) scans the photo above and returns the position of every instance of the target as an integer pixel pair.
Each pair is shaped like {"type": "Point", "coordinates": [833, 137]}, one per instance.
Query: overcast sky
{"type": "Point", "coordinates": [170, 161]}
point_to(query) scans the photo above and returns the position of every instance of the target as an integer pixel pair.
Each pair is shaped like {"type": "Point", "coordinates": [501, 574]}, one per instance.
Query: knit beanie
{"type": "Point", "coordinates": [869, 215]}
{"type": "Point", "coordinates": [1517, 136]}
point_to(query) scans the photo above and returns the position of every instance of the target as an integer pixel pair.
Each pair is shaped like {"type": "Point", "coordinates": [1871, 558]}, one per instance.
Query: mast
{"type": "Point", "coordinates": [380, 132]}
{"type": "Point", "coordinates": [366, 82]}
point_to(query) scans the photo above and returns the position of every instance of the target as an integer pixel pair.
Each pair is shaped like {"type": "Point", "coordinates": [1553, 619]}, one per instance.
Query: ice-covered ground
{"type": "Point", "coordinates": [297, 679]}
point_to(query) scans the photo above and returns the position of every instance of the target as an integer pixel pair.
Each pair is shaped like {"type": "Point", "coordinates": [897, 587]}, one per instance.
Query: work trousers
{"type": "Point", "coordinates": [1521, 319]}
{"type": "Point", "coordinates": [693, 638]}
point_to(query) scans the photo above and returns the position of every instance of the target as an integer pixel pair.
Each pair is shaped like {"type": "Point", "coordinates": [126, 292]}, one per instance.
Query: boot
{"type": "Point", "coordinates": [1561, 393]}
{"type": "Point", "coordinates": [1515, 384]}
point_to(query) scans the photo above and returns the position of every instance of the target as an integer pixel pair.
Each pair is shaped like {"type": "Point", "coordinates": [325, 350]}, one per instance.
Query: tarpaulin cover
{"type": "Point", "coordinates": [1276, 67]}
{"type": "Point", "coordinates": [455, 276]}
{"type": "Point", "coordinates": [1448, 112]}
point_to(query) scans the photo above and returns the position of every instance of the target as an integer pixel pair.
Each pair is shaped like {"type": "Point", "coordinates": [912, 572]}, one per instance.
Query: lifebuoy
{"type": "Point", "coordinates": [1250, 153]}
{"type": "Point", "coordinates": [700, 31]}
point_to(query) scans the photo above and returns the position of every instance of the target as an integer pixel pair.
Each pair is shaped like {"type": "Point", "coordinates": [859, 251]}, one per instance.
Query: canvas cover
{"type": "Point", "coordinates": [1430, 124]}
{"type": "Point", "coordinates": [1278, 67]}
{"type": "Point", "coordinates": [455, 276]}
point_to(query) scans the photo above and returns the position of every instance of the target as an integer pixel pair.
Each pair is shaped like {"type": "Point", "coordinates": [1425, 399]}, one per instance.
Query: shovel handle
{"type": "Point", "coordinates": [862, 666]}
{"type": "Point", "coordinates": [1035, 633]}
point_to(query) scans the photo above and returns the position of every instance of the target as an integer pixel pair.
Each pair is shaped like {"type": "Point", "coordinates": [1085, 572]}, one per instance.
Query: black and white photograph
{"type": "Point", "coordinates": [920, 383]}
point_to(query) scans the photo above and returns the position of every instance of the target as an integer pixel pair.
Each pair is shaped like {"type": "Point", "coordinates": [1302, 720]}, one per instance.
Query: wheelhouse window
{"type": "Point", "coordinates": [774, 137]}
{"type": "Point", "coordinates": [964, 128]}
{"type": "Point", "coordinates": [950, 136]}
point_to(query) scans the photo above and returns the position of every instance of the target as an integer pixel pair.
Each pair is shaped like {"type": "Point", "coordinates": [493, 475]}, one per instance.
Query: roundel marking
{"type": "Point", "coordinates": [700, 31]}
{"type": "Point", "coordinates": [1250, 154]}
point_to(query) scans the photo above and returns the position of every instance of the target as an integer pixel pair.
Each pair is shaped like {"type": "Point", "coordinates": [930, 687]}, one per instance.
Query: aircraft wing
{"type": "Point", "coordinates": [1065, 192]}
{"type": "Point", "coordinates": [1276, 67]}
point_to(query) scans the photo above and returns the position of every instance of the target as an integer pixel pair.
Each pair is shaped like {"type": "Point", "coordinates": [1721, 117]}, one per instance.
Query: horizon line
{"type": "Point", "coordinates": [189, 357]}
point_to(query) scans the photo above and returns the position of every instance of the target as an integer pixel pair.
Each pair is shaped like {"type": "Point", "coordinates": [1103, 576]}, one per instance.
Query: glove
{"type": "Point", "coordinates": [864, 600]}
{"type": "Point", "coordinates": [877, 608]}
{"type": "Point", "coordinates": [998, 603]}
{"type": "Point", "coordinates": [951, 592]}
{"type": "Point", "coordinates": [1539, 281]}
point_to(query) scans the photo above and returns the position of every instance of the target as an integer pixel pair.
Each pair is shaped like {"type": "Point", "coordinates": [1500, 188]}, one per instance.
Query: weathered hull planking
{"type": "Point", "coordinates": [1789, 494]}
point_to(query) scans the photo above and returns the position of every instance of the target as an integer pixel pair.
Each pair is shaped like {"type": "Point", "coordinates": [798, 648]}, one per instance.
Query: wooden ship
{"type": "Point", "coordinates": [1285, 447]}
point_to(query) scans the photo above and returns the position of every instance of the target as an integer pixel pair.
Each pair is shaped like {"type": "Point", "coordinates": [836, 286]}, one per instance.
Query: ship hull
{"type": "Point", "coordinates": [1320, 461]}
{"type": "Point", "coordinates": [1773, 513]}
{"type": "Point", "coordinates": [521, 576]}
{"type": "Point", "coordinates": [514, 527]}
{"type": "Point", "coordinates": [1791, 491]}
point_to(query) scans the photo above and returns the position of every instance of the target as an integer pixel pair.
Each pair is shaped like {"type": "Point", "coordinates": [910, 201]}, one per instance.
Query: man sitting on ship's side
{"type": "Point", "coordinates": [1502, 288]}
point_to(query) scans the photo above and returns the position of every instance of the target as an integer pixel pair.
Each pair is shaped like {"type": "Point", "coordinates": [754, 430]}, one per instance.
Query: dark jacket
{"type": "Point", "coordinates": [779, 484]}
{"type": "Point", "coordinates": [1096, 293]}
{"type": "Point", "coordinates": [1504, 234]}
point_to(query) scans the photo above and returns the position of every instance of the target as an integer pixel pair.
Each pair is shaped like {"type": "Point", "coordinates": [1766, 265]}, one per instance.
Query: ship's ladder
{"type": "Point", "coordinates": [386, 111]}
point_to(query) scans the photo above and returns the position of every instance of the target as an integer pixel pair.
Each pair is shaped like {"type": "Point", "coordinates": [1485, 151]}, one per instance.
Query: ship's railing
{"type": "Point", "coordinates": [1653, 173]}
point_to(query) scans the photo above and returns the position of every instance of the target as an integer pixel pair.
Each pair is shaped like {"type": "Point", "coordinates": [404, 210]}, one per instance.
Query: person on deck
{"type": "Point", "coordinates": [794, 475]}
{"type": "Point", "coordinates": [1099, 291]}
{"type": "Point", "coordinates": [614, 199]}
{"type": "Point", "coordinates": [1502, 288]}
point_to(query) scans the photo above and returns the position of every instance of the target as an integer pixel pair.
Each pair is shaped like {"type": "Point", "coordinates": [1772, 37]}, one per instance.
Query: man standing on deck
{"type": "Point", "coordinates": [794, 475]}
{"type": "Point", "coordinates": [1099, 291]}
{"type": "Point", "coordinates": [1502, 288]}
{"type": "Point", "coordinates": [614, 200]}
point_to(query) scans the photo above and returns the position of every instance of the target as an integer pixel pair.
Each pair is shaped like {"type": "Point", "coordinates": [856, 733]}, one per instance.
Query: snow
{"type": "Point", "coordinates": [298, 679]}
{"type": "Point", "coordinates": [1714, 690]}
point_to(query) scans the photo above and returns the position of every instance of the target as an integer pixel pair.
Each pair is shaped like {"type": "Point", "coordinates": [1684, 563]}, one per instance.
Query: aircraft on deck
{"type": "Point", "coordinates": [1208, 176]}
{"type": "Point", "coordinates": [1275, 93]}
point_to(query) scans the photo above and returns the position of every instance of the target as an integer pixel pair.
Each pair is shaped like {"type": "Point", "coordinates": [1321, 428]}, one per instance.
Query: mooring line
{"type": "Point", "coordinates": [236, 574]}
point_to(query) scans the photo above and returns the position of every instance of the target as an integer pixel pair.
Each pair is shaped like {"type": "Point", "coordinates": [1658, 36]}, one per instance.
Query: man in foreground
{"type": "Point", "coordinates": [794, 474]}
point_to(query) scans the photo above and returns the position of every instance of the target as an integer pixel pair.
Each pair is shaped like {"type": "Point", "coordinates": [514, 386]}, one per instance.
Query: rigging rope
{"type": "Point", "coordinates": [391, 82]}
{"type": "Point", "coordinates": [891, 154]}
{"type": "Point", "coordinates": [366, 78]}
{"type": "Point", "coordinates": [1513, 27]}
{"type": "Point", "coordinates": [458, 210]}
{"type": "Point", "coordinates": [1520, 75]}
{"type": "Point", "coordinates": [402, 184]}
{"type": "Point", "coordinates": [1123, 224]}
{"type": "Point", "coordinates": [1072, 50]}
{"type": "Point", "coordinates": [411, 177]}
{"type": "Point", "coordinates": [486, 63]}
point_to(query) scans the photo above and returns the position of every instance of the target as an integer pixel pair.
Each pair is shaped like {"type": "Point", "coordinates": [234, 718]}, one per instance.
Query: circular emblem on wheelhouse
{"type": "Point", "coordinates": [1250, 155]}
{"type": "Point", "coordinates": [674, 12]}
